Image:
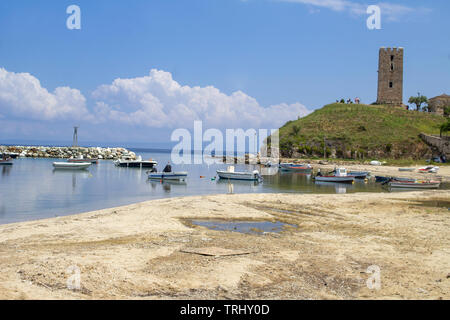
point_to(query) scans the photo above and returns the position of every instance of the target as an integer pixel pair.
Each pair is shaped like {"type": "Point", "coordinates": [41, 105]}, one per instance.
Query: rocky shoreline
{"type": "Point", "coordinates": [68, 152]}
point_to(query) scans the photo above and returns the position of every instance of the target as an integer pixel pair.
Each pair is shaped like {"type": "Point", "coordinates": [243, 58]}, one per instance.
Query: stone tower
{"type": "Point", "coordinates": [390, 76]}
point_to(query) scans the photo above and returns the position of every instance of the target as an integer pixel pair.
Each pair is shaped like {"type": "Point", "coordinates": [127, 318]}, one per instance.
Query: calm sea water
{"type": "Point", "coordinates": [31, 189]}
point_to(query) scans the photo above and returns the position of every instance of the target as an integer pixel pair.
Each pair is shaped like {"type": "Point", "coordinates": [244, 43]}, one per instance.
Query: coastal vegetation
{"type": "Point", "coordinates": [360, 131]}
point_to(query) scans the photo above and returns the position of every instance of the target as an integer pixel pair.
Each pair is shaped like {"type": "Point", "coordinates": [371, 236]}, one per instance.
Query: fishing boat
{"type": "Point", "coordinates": [12, 155]}
{"type": "Point", "coordinates": [71, 165]}
{"type": "Point", "coordinates": [429, 169]}
{"type": "Point", "coordinates": [82, 159]}
{"type": "Point", "coordinates": [180, 176]}
{"type": "Point", "coordinates": [6, 161]}
{"type": "Point", "coordinates": [138, 163]}
{"type": "Point", "coordinates": [339, 175]}
{"type": "Point", "coordinates": [359, 174]}
{"type": "Point", "coordinates": [230, 174]}
{"type": "Point", "coordinates": [305, 168]}
{"type": "Point", "coordinates": [415, 184]}
{"type": "Point", "coordinates": [388, 179]}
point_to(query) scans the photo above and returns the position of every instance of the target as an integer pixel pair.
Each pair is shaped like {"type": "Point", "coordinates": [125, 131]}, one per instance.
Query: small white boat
{"type": "Point", "coordinates": [339, 175]}
{"type": "Point", "coordinates": [71, 165]}
{"type": "Point", "coordinates": [230, 174]}
{"type": "Point", "coordinates": [180, 176]}
{"type": "Point", "coordinates": [415, 184]}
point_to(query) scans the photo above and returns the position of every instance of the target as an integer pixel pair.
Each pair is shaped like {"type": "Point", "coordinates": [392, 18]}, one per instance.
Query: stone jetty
{"type": "Point", "coordinates": [68, 152]}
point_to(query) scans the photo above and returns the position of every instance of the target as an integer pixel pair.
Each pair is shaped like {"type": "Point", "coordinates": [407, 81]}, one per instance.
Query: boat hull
{"type": "Point", "coordinates": [71, 165]}
{"type": "Point", "coordinates": [6, 163]}
{"type": "Point", "coordinates": [296, 168]}
{"type": "Point", "coordinates": [94, 161]}
{"type": "Point", "coordinates": [335, 179]}
{"type": "Point", "coordinates": [414, 185]}
{"type": "Point", "coordinates": [248, 176]}
{"type": "Point", "coordinates": [136, 164]}
{"type": "Point", "coordinates": [180, 176]}
{"type": "Point", "coordinates": [359, 174]}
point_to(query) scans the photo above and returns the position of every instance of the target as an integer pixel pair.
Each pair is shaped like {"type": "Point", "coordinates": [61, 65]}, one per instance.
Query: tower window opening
{"type": "Point", "coordinates": [392, 58]}
{"type": "Point", "coordinates": [392, 67]}
{"type": "Point", "coordinates": [391, 84]}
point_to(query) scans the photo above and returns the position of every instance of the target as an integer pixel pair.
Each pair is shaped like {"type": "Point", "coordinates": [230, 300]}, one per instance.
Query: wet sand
{"type": "Point", "coordinates": [144, 250]}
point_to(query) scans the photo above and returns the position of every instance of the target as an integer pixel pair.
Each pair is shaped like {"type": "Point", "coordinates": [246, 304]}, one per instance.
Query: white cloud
{"type": "Point", "coordinates": [152, 101]}
{"type": "Point", "coordinates": [157, 100]}
{"type": "Point", "coordinates": [21, 95]}
{"type": "Point", "coordinates": [390, 11]}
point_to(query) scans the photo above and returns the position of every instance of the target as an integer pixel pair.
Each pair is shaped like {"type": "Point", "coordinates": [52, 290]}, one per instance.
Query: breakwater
{"type": "Point", "coordinates": [68, 152]}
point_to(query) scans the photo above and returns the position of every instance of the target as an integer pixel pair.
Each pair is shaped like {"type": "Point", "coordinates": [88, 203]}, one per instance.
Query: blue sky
{"type": "Point", "coordinates": [282, 57]}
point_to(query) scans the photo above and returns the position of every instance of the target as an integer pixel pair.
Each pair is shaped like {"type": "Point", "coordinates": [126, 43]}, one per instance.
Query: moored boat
{"type": "Point", "coordinates": [6, 162]}
{"type": "Point", "coordinates": [339, 175]}
{"type": "Point", "coordinates": [180, 176]}
{"type": "Point", "coordinates": [82, 159]}
{"type": "Point", "coordinates": [296, 167]}
{"type": "Point", "coordinates": [71, 165]}
{"type": "Point", "coordinates": [138, 163]}
{"type": "Point", "coordinates": [415, 184]}
{"type": "Point", "coordinates": [359, 174]}
{"type": "Point", "coordinates": [230, 174]}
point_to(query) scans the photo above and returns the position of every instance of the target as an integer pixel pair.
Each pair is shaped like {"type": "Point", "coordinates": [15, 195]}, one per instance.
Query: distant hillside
{"type": "Point", "coordinates": [359, 131]}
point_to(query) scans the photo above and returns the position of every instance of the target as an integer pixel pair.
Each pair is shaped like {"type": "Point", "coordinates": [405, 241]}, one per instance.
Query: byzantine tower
{"type": "Point", "coordinates": [390, 76]}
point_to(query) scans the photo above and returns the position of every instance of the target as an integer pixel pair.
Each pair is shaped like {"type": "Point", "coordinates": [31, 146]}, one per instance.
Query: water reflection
{"type": "Point", "coordinates": [340, 188]}
{"type": "Point", "coordinates": [167, 185]}
{"type": "Point", "coordinates": [6, 170]}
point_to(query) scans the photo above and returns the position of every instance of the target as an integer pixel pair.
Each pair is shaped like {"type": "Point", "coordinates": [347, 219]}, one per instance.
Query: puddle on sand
{"type": "Point", "coordinates": [433, 203]}
{"type": "Point", "coordinates": [253, 227]}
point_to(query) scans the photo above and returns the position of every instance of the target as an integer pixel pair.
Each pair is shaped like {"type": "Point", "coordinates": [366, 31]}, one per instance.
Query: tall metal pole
{"type": "Point", "coordinates": [75, 137]}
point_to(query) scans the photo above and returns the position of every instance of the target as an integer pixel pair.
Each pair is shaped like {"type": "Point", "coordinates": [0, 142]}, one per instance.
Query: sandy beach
{"type": "Point", "coordinates": [150, 250]}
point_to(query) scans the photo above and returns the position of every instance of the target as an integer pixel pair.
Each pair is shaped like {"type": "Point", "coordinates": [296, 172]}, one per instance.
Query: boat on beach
{"type": "Point", "coordinates": [230, 174]}
{"type": "Point", "coordinates": [429, 169]}
{"type": "Point", "coordinates": [138, 163]}
{"type": "Point", "coordinates": [71, 165]}
{"type": "Point", "coordinates": [387, 179]}
{"type": "Point", "coordinates": [415, 184]}
{"type": "Point", "coordinates": [180, 176]}
{"type": "Point", "coordinates": [304, 168]}
{"type": "Point", "coordinates": [339, 175]}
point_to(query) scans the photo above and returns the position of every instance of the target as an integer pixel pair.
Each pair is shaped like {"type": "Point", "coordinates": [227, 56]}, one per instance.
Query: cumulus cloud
{"type": "Point", "coordinates": [157, 100]}
{"type": "Point", "coordinates": [391, 11]}
{"type": "Point", "coordinates": [21, 95]}
{"type": "Point", "coordinates": [152, 101]}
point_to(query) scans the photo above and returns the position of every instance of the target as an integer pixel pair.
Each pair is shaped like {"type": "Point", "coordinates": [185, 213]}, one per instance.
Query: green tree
{"type": "Point", "coordinates": [445, 127]}
{"type": "Point", "coordinates": [295, 130]}
{"type": "Point", "coordinates": [418, 101]}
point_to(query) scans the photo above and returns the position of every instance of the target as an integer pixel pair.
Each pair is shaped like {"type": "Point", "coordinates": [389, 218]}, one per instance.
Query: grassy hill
{"type": "Point", "coordinates": [359, 131]}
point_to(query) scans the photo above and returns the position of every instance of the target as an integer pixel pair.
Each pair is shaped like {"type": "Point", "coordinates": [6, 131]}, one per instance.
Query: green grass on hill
{"type": "Point", "coordinates": [382, 130]}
